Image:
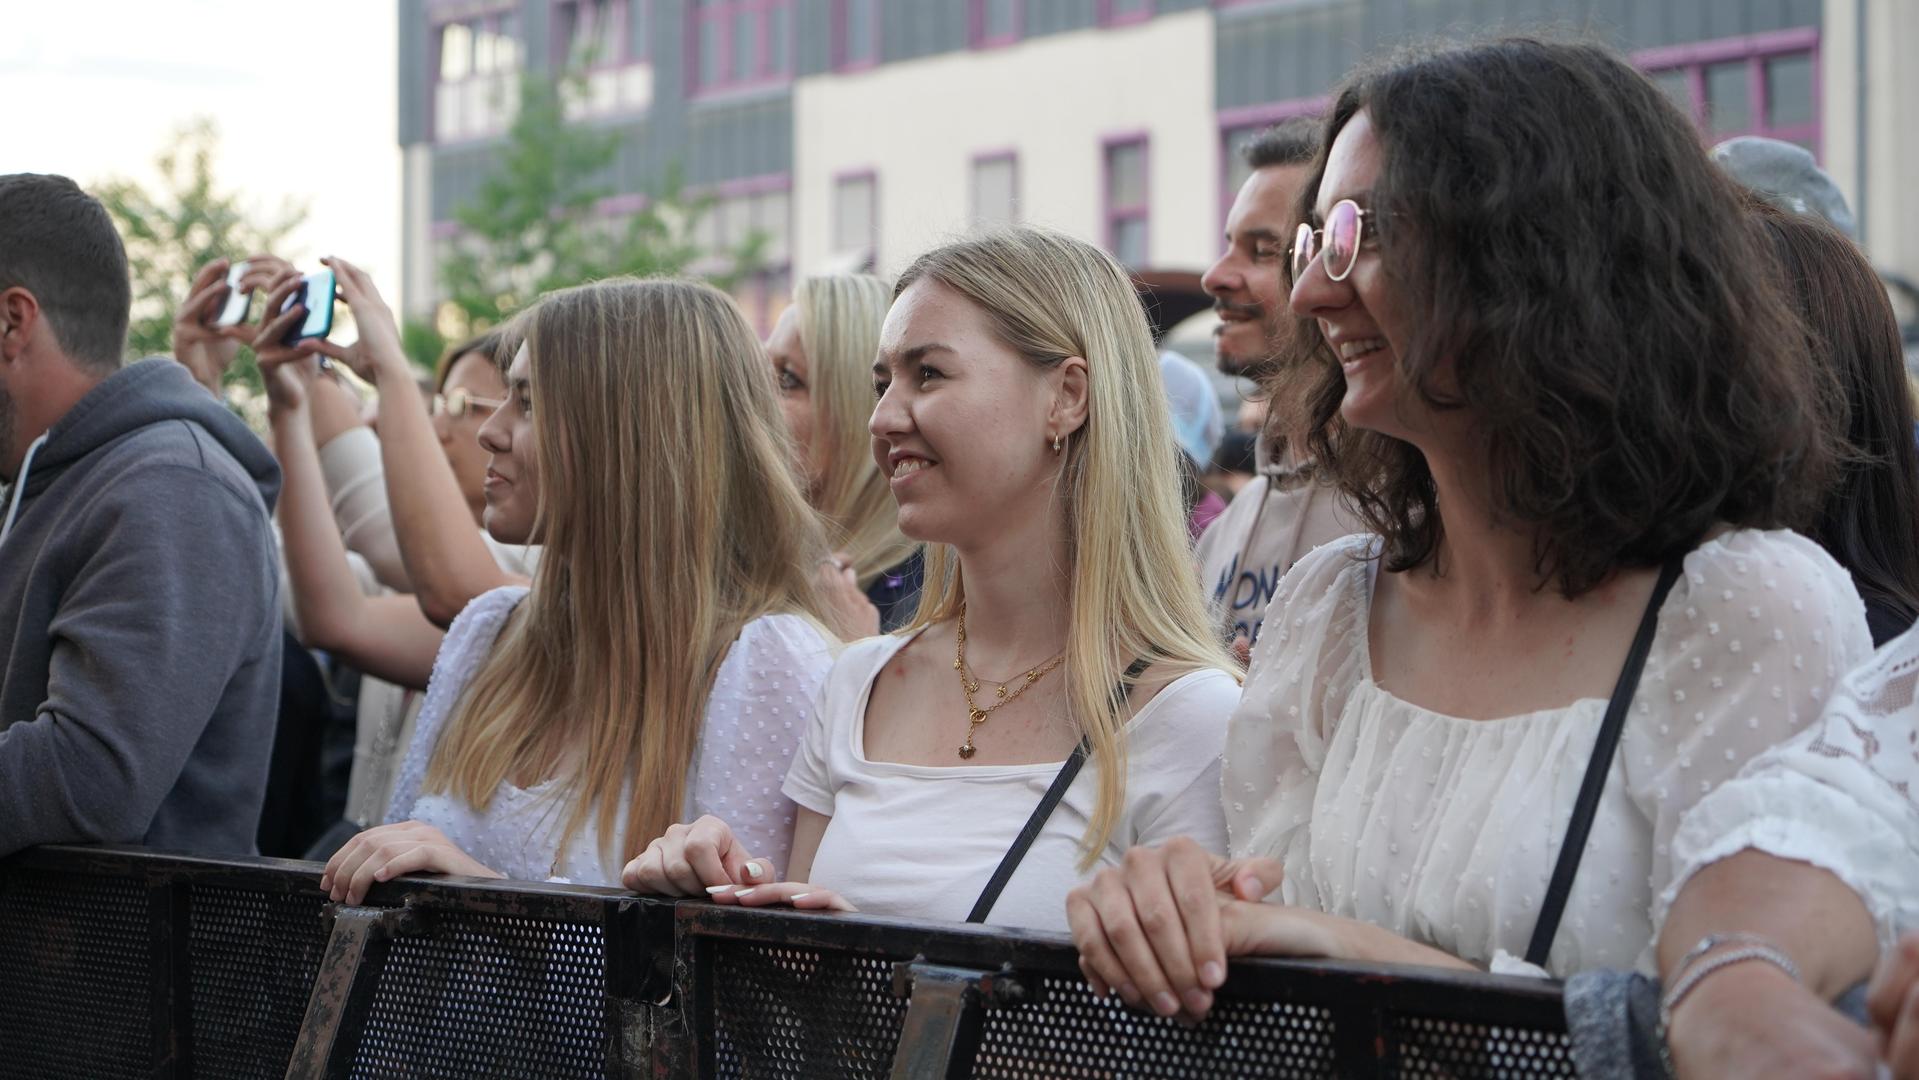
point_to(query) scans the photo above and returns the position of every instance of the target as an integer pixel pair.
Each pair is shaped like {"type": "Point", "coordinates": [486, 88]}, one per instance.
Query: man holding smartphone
{"type": "Point", "coordinates": [139, 585]}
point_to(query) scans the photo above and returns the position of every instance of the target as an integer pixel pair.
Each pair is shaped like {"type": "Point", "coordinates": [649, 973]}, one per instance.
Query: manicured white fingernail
{"type": "Point", "coordinates": [744, 893]}
{"type": "Point", "coordinates": [754, 870]}
{"type": "Point", "coordinates": [714, 890]}
{"type": "Point", "coordinates": [801, 896]}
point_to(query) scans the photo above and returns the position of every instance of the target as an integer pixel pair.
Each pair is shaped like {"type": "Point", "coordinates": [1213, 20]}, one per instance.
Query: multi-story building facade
{"type": "Point", "coordinates": [859, 132]}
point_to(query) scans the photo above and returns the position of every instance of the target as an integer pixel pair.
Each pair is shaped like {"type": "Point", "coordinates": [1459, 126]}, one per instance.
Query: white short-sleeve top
{"type": "Point", "coordinates": [758, 710]}
{"type": "Point", "coordinates": [1445, 830]}
{"type": "Point", "coordinates": [922, 841]}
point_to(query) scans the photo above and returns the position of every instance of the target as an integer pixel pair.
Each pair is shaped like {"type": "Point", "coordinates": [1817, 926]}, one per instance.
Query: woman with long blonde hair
{"type": "Point", "coordinates": [1022, 424]}
{"type": "Point", "coordinates": [821, 351]}
{"type": "Point", "coordinates": [669, 648]}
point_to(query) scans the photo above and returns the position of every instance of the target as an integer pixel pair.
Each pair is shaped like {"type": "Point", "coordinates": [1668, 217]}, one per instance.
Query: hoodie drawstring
{"type": "Point", "coordinates": [20, 487]}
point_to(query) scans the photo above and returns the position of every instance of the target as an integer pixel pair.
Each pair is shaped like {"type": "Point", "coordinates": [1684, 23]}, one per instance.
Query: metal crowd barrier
{"type": "Point", "coordinates": [122, 962]}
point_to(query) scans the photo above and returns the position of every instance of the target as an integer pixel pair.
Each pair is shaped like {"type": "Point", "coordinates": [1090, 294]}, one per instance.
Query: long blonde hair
{"type": "Point", "coordinates": [839, 320]}
{"type": "Point", "coordinates": [670, 518]}
{"type": "Point", "coordinates": [1135, 592]}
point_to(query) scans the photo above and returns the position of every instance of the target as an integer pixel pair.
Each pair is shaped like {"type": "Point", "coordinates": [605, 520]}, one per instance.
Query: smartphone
{"type": "Point", "coordinates": [234, 311]}
{"type": "Point", "coordinates": [316, 295]}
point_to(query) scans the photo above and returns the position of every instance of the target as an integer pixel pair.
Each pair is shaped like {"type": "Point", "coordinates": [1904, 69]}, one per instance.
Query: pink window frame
{"type": "Point", "coordinates": [841, 60]}
{"type": "Point", "coordinates": [1111, 215]}
{"type": "Point", "coordinates": [558, 51]}
{"type": "Point", "coordinates": [972, 180]}
{"type": "Point", "coordinates": [437, 22]}
{"type": "Point", "coordinates": [1109, 17]}
{"type": "Point", "coordinates": [1753, 50]}
{"type": "Point", "coordinates": [976, 25]}
{"type": "Point", "coordinates": [1233, 121]}
{"type": "Point", "coordinates": [722, 13]}
{"type": "Point", "coordinates": [873, 212]}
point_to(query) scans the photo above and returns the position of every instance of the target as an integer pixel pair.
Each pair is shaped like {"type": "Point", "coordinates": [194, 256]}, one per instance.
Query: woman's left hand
{"type": "Point", "coordinates": [389, 851]}
{"type": "Point", "coordinates": [794, 894]}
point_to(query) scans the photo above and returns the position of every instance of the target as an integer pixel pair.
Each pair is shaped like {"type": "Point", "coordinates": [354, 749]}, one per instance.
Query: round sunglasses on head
{"type": "Point", "coordinates": [1336, 243]}
{"type": "Point", "coordinates": [456, 403]}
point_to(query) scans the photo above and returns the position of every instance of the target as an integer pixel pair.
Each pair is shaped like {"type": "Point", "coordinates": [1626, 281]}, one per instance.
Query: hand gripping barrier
{"type": "Point", "coordinates": [122, 962]}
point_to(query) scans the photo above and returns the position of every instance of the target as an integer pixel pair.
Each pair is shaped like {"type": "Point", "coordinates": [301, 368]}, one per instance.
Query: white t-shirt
{"type": "Point", "coordinates": [1444, 830]}
{"type": "Point", "coordinates": [921, 841]}
{"type": "Point", "coordinates": [761, 702]}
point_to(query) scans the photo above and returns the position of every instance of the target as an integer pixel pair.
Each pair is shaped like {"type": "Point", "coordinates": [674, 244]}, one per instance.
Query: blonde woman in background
{"type": "Point", "coordinates": [1023, 426]}
{"type": "Point", "coordinates": [822, 352]}
{"type": "Point", "coordinates": [664, 661]}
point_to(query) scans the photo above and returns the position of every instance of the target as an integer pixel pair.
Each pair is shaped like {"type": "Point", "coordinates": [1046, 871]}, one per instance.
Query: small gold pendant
{"type": "Point", "coordinates": [966, 751]}
{"type": "Point", "coordinates": [977, 716]}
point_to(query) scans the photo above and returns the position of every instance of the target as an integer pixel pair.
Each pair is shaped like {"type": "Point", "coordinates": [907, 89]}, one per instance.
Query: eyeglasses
{"type": "Point", "coordinates": [1344, 231]}
{"type": "Point", "coordinates": [456, 403]}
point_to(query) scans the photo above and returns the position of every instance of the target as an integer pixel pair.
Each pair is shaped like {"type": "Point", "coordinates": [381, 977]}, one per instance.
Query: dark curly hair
{"type": "Point", "coordinates": [1869, 520]}
{"type": "Point", "coordinates": [1568, 253]}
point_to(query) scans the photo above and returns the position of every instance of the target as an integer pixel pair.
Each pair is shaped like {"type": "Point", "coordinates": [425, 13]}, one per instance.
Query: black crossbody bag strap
{"type": "Point", "coordinates": [1597, 769]}
{"type": "Point", "coordinates": [1010, 862]}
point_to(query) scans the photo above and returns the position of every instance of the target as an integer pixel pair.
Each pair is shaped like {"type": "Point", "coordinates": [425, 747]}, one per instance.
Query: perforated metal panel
{"type": "Point", "coordinates": [1457, 1051]}
{"type": "Point", "coordinates": [254, 957]}
{"type": "Point", "coordinates": [489, 996]}
{"type": "Point", "coordinates": [780, 1011]}
{"type": "Point", "coordinates": [1069, 1032]}
{"type": "Point", "coordinates": [76, 993]}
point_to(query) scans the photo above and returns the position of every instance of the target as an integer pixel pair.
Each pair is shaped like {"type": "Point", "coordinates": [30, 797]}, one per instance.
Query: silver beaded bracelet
{"type": "Point", "coordinates": [1693, 974]}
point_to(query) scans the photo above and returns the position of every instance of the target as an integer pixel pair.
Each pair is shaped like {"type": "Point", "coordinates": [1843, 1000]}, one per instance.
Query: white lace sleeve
{"type": "Point", "coordinates": [1839, 795]}
{"type": "Point", "coordinates": [1306, 663]}
{"type": "Point", "coordinates": [763, 699]}
{"type": "Point", "coordinates": [1753, 640]}
{"type": "Point", "coordinates": [468, 643]}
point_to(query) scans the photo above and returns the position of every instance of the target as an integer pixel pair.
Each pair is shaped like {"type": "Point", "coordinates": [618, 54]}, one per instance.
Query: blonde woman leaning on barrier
{"type": "Point", "coordinates": [822, 356]}
{"type": "Point", "coordinates": [665, 659]}
{"type": "Point", "coordinates": [1022, 423]}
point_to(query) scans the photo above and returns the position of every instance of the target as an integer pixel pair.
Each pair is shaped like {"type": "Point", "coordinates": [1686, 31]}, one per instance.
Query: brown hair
{"type": "Point", "coordinates": [1869, 521]}
{"type": "Point", "coordinates": [1588, 278]}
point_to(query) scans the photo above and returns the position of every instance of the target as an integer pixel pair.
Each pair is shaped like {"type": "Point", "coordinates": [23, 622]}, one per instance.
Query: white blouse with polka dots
{"type": "Point", "coordinates": [1445, 830]}
{"type": "Point", "coordinates": [761, 701]}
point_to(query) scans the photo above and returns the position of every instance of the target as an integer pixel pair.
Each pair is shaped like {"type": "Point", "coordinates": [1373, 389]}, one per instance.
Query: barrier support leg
{"type": "Point", "coordinates": [941, 1033]}
{"type": "Point", "coordinates": [343, 991]}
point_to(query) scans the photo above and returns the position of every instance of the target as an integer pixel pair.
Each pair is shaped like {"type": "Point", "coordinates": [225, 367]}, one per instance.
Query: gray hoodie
{"type": "Point", "coordinates": [140, 624]}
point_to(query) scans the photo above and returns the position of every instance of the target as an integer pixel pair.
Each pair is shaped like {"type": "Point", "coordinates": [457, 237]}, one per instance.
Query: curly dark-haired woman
{"type": "Point", "coordinates": [1557, 381]}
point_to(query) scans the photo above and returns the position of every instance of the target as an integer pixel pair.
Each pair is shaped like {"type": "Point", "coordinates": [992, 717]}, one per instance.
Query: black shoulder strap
{"type": "Point", "coordinates": [990, 895]}
{"type": "Point", "coordinates": [1597, 769]}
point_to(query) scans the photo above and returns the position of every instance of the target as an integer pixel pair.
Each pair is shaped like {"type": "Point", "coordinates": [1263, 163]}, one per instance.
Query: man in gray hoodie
{"type": "Point", "coordinates": [139, 586]}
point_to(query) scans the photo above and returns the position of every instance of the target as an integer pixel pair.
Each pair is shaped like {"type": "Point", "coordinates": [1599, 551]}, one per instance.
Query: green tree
{"type": "Point", "coordinates": [180, 226]}
{"type": "Point", "coordinates": [534, 225]}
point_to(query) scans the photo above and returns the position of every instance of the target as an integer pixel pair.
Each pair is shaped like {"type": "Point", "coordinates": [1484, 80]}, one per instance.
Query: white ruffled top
{"type": "Point", "coordinates": [1445, 830]}
{"type": "Point", "coordinates": [760, 706]}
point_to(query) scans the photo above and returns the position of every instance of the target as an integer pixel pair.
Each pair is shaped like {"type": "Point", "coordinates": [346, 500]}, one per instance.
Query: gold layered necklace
{"type": "Point", "coordinates": [1006, 692]}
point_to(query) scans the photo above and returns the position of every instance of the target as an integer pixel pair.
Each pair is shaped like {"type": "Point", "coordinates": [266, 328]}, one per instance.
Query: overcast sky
{"type": "Point", "coordinates": [303, 95]}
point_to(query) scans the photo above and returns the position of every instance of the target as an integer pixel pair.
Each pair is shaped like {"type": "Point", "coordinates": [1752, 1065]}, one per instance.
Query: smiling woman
{"type": "Point", "coordinates": [1556, 379]}
{"type": "Point", "coordinates": [1020, 422]}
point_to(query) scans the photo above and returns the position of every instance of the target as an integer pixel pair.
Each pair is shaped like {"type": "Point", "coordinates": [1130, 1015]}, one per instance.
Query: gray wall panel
{"type": "Point", "coordinates": [415, 56]}
{"type": "Point", "coordinates": [536, 34]}
{"type": "Point", "coordinates": [813, 28]}
{"type": "Point", "coordinates": [739, 139]}
{"type": "Point", "coordinates": [910, 29]}
{"type": "Point", "coordinates": [1058, 16]}
{"type": "Point", "coordinates": [1270, 55]}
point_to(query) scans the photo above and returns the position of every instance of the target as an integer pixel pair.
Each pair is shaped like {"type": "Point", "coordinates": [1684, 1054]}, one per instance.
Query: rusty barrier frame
{"type": "Point", "coordinates": [120, 961]}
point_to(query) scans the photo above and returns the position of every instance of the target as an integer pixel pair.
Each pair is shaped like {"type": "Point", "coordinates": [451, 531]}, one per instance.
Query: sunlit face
{"type": "Point", "coordinates": [791, 375]}
{"type": "Point", "coordinates": [963, 425]}
{"type": "Point", "coordinates": [512, 476]}
{"type": "Point", "coordinates": [1360, 318]}
{"type": "Point", "coordinates": [475, 376]}
{"type": "Point", "coordinates": [1248, 283]}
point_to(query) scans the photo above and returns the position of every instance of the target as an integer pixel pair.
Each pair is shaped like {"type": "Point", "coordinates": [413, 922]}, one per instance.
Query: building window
{"type": "Point", "coordinates": [995, 189]}
{"type": "Point", "coordinates": [1765, 84]}
{"type": "Point", "coordinates": [740, 43]}
{"type": "Point", "coordinates": [993, 22]}
{"type": "Point", "coordinates": [1237, 130]}
{"type": "Point", "coordinates": [598, 33]}
{"type": "Point", "coordinates": [856, 222]}
{"type": "Point", "coordinates": [1121, 12]}
{"type": "Point", "coordinates": [476, 69]}
{"type": "Point", "coordinates": [1127, 199]}
{"type": "Point", "coordinates": [856, 34]}
{"type": "Point", "coordinates": [744, 212]}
